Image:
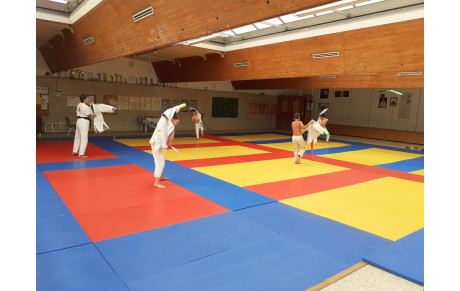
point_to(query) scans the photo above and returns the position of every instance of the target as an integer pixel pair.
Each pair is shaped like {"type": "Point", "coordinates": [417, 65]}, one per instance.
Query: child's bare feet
{"type": "Point", "coordinates": [82, 157]}
{"type": "Point", "coordinates": [159, 185]}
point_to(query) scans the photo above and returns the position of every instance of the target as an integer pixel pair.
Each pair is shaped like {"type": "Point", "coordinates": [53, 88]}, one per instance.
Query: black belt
{"type": "Point", "coordinates": [87, 118]}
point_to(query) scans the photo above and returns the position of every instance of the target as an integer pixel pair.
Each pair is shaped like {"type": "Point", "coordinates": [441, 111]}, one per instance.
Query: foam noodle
{"type": "Point", "coordinates": [183, 105]}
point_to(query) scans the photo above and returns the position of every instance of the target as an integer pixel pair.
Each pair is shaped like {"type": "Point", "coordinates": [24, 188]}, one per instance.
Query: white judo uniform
{"type": "Point", "coordinates": [99, 123]}
{"type": "Point", "coordinates": [82, 128]}
{"type": "Point", "coordinates": [159, 139]}
{"type": "Point", "coordinates": [299, 145]}
{"type": "Point", "coordinates": [321, 123]}
{"type": "Point", "coordinates": [198, 126]}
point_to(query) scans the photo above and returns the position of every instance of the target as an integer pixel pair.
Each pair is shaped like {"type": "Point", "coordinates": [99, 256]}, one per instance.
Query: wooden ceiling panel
{"type": "Point", "coordinates": [382, 50]}
{"type": "Point", "coordinates": [116, 35]}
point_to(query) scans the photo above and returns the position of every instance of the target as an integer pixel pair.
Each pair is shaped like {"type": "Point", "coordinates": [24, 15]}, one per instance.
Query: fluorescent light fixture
{"type": "Point", "coordinates": [291, 18]}
{"type": "Point", "coordinates": [345, 8]}
{"type": "Point", "coordinates": [368, 2]}
{"type": "Point", "coordinates": [392, 91]}
{"type": "Point", "coordinates": [328, 77]}
{"type": "Point", "coordinates": [244, 29]}
{"type": "Point", "coordinates": [324, 13]}
{"type": "Point", "coordinates": [60, 1]}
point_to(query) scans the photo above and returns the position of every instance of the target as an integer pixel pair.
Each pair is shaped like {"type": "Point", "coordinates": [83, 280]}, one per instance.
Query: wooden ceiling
{"type": "Point", "coordinates": [116, 35]}
{"type": "Point", "coordinates": [175, 53]}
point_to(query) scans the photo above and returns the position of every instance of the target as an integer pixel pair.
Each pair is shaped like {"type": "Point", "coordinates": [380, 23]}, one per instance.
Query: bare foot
{"type": "Point", "coordinates": [159, 185]}
{"type": "Point", "coordinates": [74, 154]}
{"type": "Point", "coordinates": [82, 157]}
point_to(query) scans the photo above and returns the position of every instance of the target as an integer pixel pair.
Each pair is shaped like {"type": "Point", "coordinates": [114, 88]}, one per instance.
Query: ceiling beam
{"type": "Point", "coordinates": [116, 35]}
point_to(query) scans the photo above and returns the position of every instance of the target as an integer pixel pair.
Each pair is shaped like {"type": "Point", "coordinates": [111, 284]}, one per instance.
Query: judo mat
{"type": "Point", "coordinates": [237, 213]}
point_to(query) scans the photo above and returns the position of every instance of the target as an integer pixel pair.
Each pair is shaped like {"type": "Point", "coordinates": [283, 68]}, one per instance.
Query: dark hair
{"type": "Point", "coordinates": [323, 115]}
{"type": "Point", "coordinates": [175, 116]}
{"type": "Point", "coordinates": [296, 115]}
{"type": "Point", "coordinates": [83, 97]}
{"type": "Point", "coordinates": [193, 110]}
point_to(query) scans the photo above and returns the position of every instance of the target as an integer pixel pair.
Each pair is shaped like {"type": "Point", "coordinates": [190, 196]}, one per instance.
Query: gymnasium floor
{"type": "Point", "coordinates": [237, 214]}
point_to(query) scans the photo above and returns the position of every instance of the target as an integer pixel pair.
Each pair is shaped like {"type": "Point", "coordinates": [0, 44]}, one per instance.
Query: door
{"type": "Point", "coordinates": [287, 106]}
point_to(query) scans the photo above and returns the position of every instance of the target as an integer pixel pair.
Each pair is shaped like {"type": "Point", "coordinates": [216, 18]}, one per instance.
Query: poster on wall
{"type": "Point", "coordinates": [123, 103]}
{"type": "Point", "coordinates": [145, 103]}
{"type": "Point", "coordinates": [165, 104]}
{"type": "Point", "coordinates": [393, 101]}
{"type": "Point", "coordinates": [134, 103]}
{"type": "Point", "coordinates": [322, 106]}
{"type": "Point", "coordinates": [338, 93]}
{"type": "Point", "coordinates": [73, 100]}
{"type": "Point", "coordinates": [156, 104]}
{"type": "Point", "coordinates": [324, 93]}
{"type": "Point", "coordinates": [383, 101]}
{"type": "Point", "coordinates": [404, 107]}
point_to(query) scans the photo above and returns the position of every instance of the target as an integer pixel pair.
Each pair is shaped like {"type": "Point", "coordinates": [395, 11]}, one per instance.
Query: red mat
{"type": "Point", "coordinates": [61, 151]}
{"type": "Point", "coordinates": [120, 200]}
{"type": "Point", "coordinates": [313, 184]}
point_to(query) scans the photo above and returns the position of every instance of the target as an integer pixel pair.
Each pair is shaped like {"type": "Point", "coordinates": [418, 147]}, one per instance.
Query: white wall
{"type": "Point", "coordinates": [361, 109]}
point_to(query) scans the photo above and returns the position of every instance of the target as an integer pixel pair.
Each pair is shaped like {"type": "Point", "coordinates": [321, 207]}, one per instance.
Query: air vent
{"type": "Point", "coordinates": [89, 40]}
{"type": "Point", "coordinates": [325, 55]}
{"type": "Point", "coordinates": [245, 64]}
{"type": "Point", "coordinates": [143, 14]}
{"type": "Point", "coordinates": [328, 77]}
{"type": "Point", "coordinates": [409, 73]}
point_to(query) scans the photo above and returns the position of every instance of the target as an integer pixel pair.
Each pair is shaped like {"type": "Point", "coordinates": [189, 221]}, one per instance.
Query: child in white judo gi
{"type": "Point", "coordinates": [99, 123]}
{"type": "Point", "coordinates": [323, 121]}
{"type": "Point", "coordinates": [297, 139]}
{"type": "Point", "coordinates": [84, 116]}
{"type": "Point", "coordinates": [196, 119]}
{"type": "Point", "coordinates": [161, 139]}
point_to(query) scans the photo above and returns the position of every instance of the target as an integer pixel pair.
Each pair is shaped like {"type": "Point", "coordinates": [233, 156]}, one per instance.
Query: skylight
{"type": "Point", "coordinates": [367, 3]}
{"type": "Point", "coordinates": [268, 23]}
{"type": "Point", "coordinates": [244, 29]}
{"type": "Point", "coordinates": [227, 33]}
{"type": "Point", "coordinates": [324, 13]}
{"type": "Point", "coordinates": [345, 8]}
{"type": "Point", "coordinates": [291, 18]}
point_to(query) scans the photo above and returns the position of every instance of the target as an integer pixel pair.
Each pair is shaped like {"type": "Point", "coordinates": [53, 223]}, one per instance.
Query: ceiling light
{"type": "Point", "coordinates": [201, 39]}
{"type": "Point", "coordinates": [367, 3]}
{"type": "Point", "coordinates": [226, 33]}
{"type": "Point", "coordinates": [268, 23]}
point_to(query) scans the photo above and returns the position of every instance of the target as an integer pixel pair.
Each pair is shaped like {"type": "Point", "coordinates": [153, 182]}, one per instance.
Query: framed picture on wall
{"type": "Point", "coordinates": [345, 93]}
{"type": "Point", "coordinates": [324, 93]}
{"type": "Point", "coordinates": [393, 101]}
{"type": "Point", "coordinates": [383, 101]}
{"type": "Point", "coordinates": [338, 93]}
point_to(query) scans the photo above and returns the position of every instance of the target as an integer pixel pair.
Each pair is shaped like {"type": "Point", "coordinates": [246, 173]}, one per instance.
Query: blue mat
{"type": "Point", "coordinates": [344, 243]}
{"type": "Point", "coordinates": [145, 253]}
{"type": "Point", "coordinates": [404, 257]}
{"type": "Point", "coordinates": [82, 164]}
{"type": "Point", "coordinates": [223, 193]}
{"type": "Point", "coordinates": [56, 228]}
{"type": "Point", "coordinates": [78, 268]}
{"type": "Point", "coordinates": [274, 264]}
{"type": "Point", "coordinates": [405, 165]}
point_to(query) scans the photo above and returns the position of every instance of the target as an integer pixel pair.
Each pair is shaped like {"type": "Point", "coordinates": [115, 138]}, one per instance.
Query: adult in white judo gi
{"type": "Point", "coordinates": [161, 139]}
{"type": "Point", "coordinates": [84, 116]}
{"type": "Point", "coordinates": [196, 119]}
{"type": "Point", "coordinates": [99, 123]}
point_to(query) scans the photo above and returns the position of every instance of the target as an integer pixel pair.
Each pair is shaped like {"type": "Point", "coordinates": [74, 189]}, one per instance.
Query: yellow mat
{"type": "Point", "coordinates": [256, 137]}
{"type": "Point", "coordinates": [135, 142]}
{"type": "Point", "coordinates": [259, 172]}
{"type": "Point", "coordinates": [419, 172]}
{"type": "Point", "coordinates": [209, 152]}
{"type": "Point", "coordinates": [388, 207]}
{"type": "Point", "coordinates": [289, 147]}
{"type": "Point", "coordinates": [372, 156]}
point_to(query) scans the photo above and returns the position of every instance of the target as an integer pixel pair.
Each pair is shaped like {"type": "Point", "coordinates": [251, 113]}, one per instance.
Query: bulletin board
{"type": "Point", "coordinates": [42, 102]}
